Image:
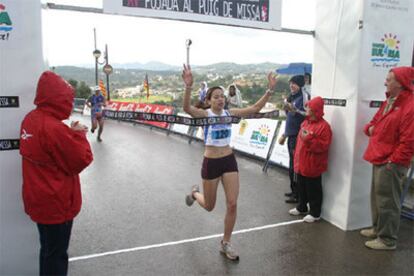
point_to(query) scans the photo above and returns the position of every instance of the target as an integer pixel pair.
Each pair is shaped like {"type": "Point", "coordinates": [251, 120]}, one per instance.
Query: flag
{"type": "Point", "coordinates": [146, 85]}
{"type": "Point", "coordinates": [102, 88]}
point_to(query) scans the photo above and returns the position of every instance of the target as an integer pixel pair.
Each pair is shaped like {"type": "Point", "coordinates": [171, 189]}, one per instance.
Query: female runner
{"type": "Point", "coordinates": [219, 161]}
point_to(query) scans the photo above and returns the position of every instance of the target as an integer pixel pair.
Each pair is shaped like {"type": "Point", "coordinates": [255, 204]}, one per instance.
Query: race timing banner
{"type": "Point", "coordinates": [260, 14]}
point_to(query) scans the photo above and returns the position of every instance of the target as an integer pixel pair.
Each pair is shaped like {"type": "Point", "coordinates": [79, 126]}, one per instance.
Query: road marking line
{"type": "Point", "coordinates": [92, 256]}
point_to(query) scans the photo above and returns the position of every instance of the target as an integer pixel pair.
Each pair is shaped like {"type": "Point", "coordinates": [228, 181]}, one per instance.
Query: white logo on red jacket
{"type": "Point", "coordinates": [25, 135]}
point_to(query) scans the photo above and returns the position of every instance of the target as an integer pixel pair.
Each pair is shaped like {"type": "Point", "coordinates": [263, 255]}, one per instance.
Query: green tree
{"type": "Point", "coordinates": [83, 91]}
{"type": "Point", "coordinates": [74, 83]}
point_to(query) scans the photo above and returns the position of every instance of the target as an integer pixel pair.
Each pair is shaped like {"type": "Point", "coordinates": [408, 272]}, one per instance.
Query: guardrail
{"type": "Point", "coordinates": [79, 105]}
{"type": "Point", "coordinates": [255, 138]}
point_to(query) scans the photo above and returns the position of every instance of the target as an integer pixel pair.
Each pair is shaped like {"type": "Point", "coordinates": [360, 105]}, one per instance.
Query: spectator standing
{"type": "Point", "coordinates": [307, 88]}
{"type": "Point", "coordinates": [202, 95]}
{"type": "Point", "coordinates": [390, 150]}
{"type": "Point", "coordinates": [233, 97]}
{"type": "Point", "coordinates": [53, 155]}
{"type": "Point", "coordinates": [311, 160]}
{"type": "Point", "coordinates": [295, 114]}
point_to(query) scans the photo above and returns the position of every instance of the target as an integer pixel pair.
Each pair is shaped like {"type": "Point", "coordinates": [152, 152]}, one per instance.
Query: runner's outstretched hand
{"type": "Point", "coordinates": [187, 76]}
{"type": "Point", "coordinates": [272, 81]}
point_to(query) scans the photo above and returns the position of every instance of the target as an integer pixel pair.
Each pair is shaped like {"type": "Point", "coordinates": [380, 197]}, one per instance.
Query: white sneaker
{"type": "Point", "coordinates": [369, 233]}
{"type": "Point", "coordinates": [378, 244]}
{"type": "Point", "coordinates": [310, 219]}
{"type": "Point", "coordinates": [227, 250]}
{"type": "Point", "coordinates": [295, 212]}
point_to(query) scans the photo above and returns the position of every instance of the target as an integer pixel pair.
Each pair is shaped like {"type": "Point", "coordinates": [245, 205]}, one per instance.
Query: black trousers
{"type": "Point", "coordinates": [54, 243]}
{"type": "Point", "coordinates": [291, 143]}
{"type": "Point", "coordinates": [310, 191]}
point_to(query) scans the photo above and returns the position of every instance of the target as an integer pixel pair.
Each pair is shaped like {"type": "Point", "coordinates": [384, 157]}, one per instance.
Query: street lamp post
{"type": "Point", "coordinates": [107, 69]}
{"type": "Point", "coordinates": [96, 54]}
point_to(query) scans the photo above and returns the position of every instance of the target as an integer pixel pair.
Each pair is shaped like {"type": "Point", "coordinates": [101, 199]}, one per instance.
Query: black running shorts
{"type": "Point", "coordinates": [215, 167]}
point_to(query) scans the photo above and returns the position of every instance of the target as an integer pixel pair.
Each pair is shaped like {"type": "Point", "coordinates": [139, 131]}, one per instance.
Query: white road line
{"type": "Point", "coordinates": [92, 256]}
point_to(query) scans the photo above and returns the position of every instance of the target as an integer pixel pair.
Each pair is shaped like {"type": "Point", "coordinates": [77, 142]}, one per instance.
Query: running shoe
{"type": "Point", "coordinates": [189, 199]}
{"type": "Point", "coordinates": [227, 250]}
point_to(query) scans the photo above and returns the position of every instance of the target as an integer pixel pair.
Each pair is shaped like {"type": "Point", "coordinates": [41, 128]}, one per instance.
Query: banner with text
{"type": "Point", "coordinates": [142, 107]}
{"type": "Point", "coordinates": [260, 14]}
{"type": "Point", "coordinates": [253, 136]}
{"type": "Point", "coordinates": [280, 153]}
{"type": "Point", "coordinates": [386, 45]}
{"type": "Point", "coordinates": [179, 128]}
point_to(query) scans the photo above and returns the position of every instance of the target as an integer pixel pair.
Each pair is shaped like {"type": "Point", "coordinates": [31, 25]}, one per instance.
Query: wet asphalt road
{"type": "Point", "coordinates": [133, 196]}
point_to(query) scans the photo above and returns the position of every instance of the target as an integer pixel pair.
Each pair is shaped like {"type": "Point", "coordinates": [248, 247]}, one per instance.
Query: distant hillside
{"type": "Point", "coordinates": [124, 75]}
{"type": "Point", "coordinates": [234, 68]}
{"type": "Point", "coordinates": [152, 66]}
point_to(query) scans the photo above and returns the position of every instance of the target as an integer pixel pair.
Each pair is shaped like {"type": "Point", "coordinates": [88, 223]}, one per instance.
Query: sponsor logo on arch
{"type": "Point", "coordinates": [386, 52]}
{"type": "Point", "coordinates": [5, 23]}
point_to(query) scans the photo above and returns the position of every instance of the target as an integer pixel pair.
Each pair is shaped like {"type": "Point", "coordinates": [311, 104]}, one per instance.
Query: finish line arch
{"type": "Point", "coordinates": [349, 64]}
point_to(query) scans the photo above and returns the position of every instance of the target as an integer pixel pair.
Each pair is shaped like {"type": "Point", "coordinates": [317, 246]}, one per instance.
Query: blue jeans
{"type": "Point", "coordinates": [54, 243]}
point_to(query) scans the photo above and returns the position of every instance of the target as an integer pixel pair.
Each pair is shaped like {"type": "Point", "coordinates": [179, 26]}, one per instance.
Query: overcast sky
{"type": "Point", "coordinates": [68, 38]}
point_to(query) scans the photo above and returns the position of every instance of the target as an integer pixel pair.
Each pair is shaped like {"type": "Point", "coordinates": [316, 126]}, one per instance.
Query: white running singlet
{"type": "Point", "coordinates": [217, 135]}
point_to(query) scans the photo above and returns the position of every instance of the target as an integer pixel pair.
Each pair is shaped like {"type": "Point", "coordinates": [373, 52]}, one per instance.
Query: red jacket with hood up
{"type": "Point", "coordinates": [311, 152]}
{"type": "Point", "coordinates": [392, 139]}
{"type": "Point", "coordinates": [53, 154]}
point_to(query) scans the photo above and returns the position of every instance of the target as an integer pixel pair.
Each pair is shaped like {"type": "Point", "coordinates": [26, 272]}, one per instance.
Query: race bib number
{"type": "Point", "coordinates": [220, 134]}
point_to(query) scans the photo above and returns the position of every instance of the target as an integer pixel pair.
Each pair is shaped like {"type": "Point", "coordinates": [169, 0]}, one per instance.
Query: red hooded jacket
{"type": "Point", "coordinates": [311, 152]}
{"type": "Point", "coordinates": [392, 139]}
{"type": "Point", "coordinates": [53, 154]}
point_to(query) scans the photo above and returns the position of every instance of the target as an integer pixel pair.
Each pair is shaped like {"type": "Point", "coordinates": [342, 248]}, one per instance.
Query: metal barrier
{"type": "Point", "coordinates": [407, 198]}
{"type": "Point", "coordinates": [78, 105]}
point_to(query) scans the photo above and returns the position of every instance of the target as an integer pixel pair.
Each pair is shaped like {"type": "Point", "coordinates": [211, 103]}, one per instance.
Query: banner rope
{"type": "Point", "coordinates": [176, 119]}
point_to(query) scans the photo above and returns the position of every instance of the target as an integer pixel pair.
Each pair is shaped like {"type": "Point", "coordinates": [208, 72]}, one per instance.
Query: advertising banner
{"type": "Point", "coordinates": [142, 107]}
{"type": "Point", "coordinates": [183, 129]}
{"type": "Point", "coordinates": [253, 136]}
{"type": "Point", "coordinates": [261, 14]}
{"type": "Point", "coordinates": [386, 45]}
{"type": "Point", "coordinates": [280, 153]}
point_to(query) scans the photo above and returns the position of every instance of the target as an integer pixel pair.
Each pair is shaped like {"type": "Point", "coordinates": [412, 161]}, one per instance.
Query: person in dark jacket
{"type": "Point", "coordinates": [295, 114]}
{"type": "Point", "coordinates": [311, 160]}
{"type": "Point", "coordinates": [53, 155]}
{"type": "Point", "coordinates": [390, 150]}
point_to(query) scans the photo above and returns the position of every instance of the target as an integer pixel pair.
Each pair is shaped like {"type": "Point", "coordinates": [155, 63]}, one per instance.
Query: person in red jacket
{"type": "Point", "coordinates": [53, 155]}
{"type": "Point", "coordinates": [311, 160]}
{"type": "Point", "coordinates": [390, 150]}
